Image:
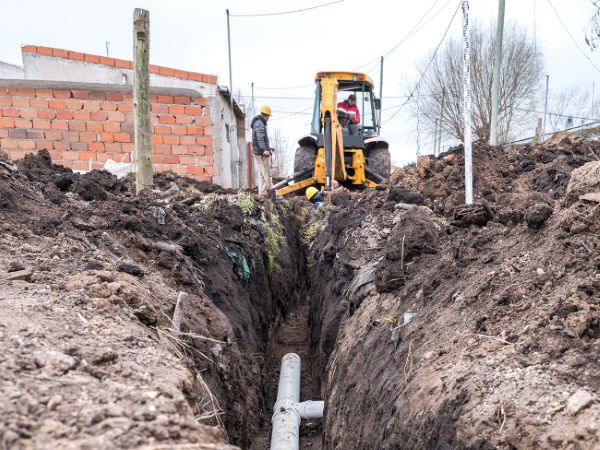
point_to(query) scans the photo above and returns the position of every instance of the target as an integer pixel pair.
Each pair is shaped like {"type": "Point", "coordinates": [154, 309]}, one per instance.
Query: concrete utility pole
{"type": "Point", "coordinates": [380, 93]}
{"type": "Point", "coordinates": [441, 121]}
{"type": "Point", "coordinates": [253, 110]}
{"type": "Point", "coordinates": [229, 51]}
{"type": "Point", "coordinates": [496, 82]}
{"type": "Point", "coordinates": [545, 108]}
{"type": "Point", "coordinates": [467, 106]}
{"type": "Point", "coordinates": [141, 101]}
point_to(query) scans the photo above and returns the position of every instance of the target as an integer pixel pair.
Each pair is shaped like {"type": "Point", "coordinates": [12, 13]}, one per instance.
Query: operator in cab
{"type": "Point", "coordinates": [348, 114]}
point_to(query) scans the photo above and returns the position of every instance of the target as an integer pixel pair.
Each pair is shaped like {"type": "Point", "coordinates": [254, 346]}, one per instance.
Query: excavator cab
{"type": "Point", "coordinates": [333, 152]}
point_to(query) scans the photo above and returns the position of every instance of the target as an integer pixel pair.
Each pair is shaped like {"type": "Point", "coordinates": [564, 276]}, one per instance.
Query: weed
{"type": "Point", "coordinates": [310, 231]}
{"type": "Point", "coordinates": [208, 201]}
{"type": "Point", "coordinates": [284, 206]}
{"type": "Point", "coordinates": [192, 190]}
{"type": "Point", "coordinates": [245, 202]}
{"type": "Point", "coordinates": [273, 238]}
{"type": "Point", "coordinates": [313, 225]}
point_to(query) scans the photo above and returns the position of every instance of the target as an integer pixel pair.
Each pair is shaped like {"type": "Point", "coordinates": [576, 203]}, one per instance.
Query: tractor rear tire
{"type": "Point", "coordinates": [304, 159]}
{"type": "Point", "coordinates": [379, 162]}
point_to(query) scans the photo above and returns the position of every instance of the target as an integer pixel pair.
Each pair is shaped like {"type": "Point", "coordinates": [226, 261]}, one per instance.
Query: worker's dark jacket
{"type": "Point", "coordinates": [260, 139]}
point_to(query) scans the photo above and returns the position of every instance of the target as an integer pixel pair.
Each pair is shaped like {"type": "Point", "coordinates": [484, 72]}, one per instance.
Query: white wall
{"type": "Point", "coordinates": [225, 148]}
{"type": "Point", "coordinates": [49, 68]}
{"type": "Point", "coordinates": [10, 71]}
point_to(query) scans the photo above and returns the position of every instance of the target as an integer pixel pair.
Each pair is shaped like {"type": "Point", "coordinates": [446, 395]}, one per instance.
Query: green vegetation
{"type": "Point", "coordinates": [313, 224]}
{"type": "Point", "coordinates": [208, 201]}
{"type": "Point", "coordinates": [273, 238]}
{"type": "Point", "coordinates": [192, 190]}
{"type": "Point", "coordinates": [245, 202]}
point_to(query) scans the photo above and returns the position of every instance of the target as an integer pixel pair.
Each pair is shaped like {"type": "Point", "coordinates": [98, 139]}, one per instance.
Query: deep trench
{"type": "Point", "coordinates": [274, 307]}
{"type": "Point", "coordinates": [291, 335]}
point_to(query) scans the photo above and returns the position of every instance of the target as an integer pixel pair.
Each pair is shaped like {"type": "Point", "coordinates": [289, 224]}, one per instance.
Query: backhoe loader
{"type": "Point", "coordinates": [330, 155]}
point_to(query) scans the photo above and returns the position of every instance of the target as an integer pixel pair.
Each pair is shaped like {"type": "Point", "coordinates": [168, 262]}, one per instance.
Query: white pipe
{"type": "Point", "coordinates": [288, 410]}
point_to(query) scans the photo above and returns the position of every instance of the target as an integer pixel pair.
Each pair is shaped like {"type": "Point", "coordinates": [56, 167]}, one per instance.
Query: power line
{"type": "Point", "coordinates": [285, 87]}
{"type": "Point", "coordinates": [287, 12]}
{"type": "Point", "coordinates": [572, 38]}
{"type": "Point", "coordinates": [585, 125]}
{"type": "Point", "coordinates": [555, 114]}
{"type": "Point", "coordinates": [414, 30]}
{"type": "Point", "coordinates": [292, 114]}
{"type": "Point", "coordinates": [426, 68]}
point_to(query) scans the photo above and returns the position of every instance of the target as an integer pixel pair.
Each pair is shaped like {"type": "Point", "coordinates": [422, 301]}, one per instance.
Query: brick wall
{"type": "Point", "coordinates": [84, 128]}
{"type": "Point", "coordinates": [114, 62]}
{"type": "Point", "coordinates": [83, 124]}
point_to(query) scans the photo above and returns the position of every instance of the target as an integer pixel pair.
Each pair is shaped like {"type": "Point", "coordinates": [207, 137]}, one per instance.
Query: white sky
{"type": "Point", "coordinates": [287, 50]}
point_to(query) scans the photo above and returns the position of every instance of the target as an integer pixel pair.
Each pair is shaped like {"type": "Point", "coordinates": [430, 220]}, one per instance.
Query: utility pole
{"type": "Point", "coordinates": [467, 106]}
{"type": "Point", "coordinates": [141, 102]}
{"type": "Point", "coordinates": [229, 50]}
{"type": "Point", "coordinates": [435, 136]}
{"type": "Point", "coordinates": [380, 93]}
{"type": "Point", "coordinates": [253, 110]}
{"type": "Point", "coordinates": [545, 108]}
{"type": "Point", "coordinates": [441, 121]}
{"type": "Point", "coordinates": [496, 82]}
{"type": "Point", "coordinates": [107, 45]}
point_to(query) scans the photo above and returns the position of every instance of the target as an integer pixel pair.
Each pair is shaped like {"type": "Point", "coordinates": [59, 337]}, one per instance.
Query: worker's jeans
{"type": "Point", "coordinates": [352, 128]}
{"type": "Point", "coordinates": [264, 174]}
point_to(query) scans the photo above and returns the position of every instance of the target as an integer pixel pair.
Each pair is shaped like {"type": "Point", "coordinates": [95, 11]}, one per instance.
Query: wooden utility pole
{"type": "Point", "coordinates": [141, 101]}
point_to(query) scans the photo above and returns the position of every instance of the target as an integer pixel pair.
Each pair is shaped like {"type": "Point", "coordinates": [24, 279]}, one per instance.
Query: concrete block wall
{"type": "Point", "coordinates": [83, 126]}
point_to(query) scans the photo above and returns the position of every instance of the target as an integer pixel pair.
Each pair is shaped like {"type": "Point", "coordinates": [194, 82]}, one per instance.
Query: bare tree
{"type": "Point", "coordinates": [569, 107]}
{"type": "Point", "coordinates": [282, 157]}
{"type": "Point", "coordinates": [592, 32]}
{"type": "Point", "coordinates": [521, 71]}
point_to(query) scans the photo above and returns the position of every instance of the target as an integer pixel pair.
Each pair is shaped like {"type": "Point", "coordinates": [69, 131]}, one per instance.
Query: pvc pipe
{"type": "Point", "coordinates": [288, 410]}
{"type": "Point", "coordinates": [311, 409]}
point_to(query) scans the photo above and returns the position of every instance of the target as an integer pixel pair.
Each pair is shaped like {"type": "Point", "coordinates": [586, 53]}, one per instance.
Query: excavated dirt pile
{"type": "Point", "coordinates": [436, 325]}
{"type": "Point", "coordinates": [90, 277]}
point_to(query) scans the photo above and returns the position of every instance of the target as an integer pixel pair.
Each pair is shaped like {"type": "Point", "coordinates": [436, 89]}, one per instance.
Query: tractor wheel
{"type": "Point", "coordinates": [379, 162]}
{"type": "Point", "coordinates": [304, 159]}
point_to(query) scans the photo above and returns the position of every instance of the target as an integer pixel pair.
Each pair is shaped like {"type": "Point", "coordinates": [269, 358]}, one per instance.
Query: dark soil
{"type": "Point", "coordinates": [291, 336]}
{"type": "Point", "coordinates": [503, 349]}
{"type": "Point", "coordinates": [118, 262]}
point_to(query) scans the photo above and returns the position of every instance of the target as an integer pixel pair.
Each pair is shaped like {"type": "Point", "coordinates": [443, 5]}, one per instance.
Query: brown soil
{"type": "Point", "coordinates": [503, 350]}
{"type": "Point", "coordinates": [89, 359]}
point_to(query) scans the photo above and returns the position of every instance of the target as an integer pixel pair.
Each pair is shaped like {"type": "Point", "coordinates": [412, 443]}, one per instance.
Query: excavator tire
{"type": "Point", "coordinates": [304, 159]}
{"type": "Point", "coordinates": [379, 162]}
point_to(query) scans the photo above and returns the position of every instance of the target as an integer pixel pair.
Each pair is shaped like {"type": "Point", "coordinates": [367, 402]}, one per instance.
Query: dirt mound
{"type": "Point", "coordinates": [478, 327]}
{"type": "Point", "coordinates": [91, 355]}
{"type": "Point", "coordinates": [514, 178]}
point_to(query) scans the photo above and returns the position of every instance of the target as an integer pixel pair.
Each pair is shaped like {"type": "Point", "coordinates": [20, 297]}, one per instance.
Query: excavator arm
{"type": "Point", "coordinates": [332, 133]}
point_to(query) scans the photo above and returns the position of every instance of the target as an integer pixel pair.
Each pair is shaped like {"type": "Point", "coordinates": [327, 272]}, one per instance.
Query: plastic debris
{"type": "Point", "coordinates": [390, 319]}
{"type": "Point", "coordinates": [159, 214]}
{"type": "Point", "coordinates": [408, 317]}
{"type": "Point", "coordinates": [240, 264]}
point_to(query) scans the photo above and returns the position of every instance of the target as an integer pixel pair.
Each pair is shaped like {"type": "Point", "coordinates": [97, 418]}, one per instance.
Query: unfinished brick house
{"type": "Point", "coordinates": [79, 107]}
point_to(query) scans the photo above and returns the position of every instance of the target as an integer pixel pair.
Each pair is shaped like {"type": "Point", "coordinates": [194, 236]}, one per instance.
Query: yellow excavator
{"type": "Point", "coordinates": [335, 151]}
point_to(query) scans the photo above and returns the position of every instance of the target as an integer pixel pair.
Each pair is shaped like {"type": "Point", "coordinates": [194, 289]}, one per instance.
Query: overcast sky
{"type": "Point", "coordinates": [287, 50]}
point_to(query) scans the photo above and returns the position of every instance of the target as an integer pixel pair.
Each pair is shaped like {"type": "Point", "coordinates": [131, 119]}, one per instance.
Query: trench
{"type": "Point", "coordinates": [291, 335]}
